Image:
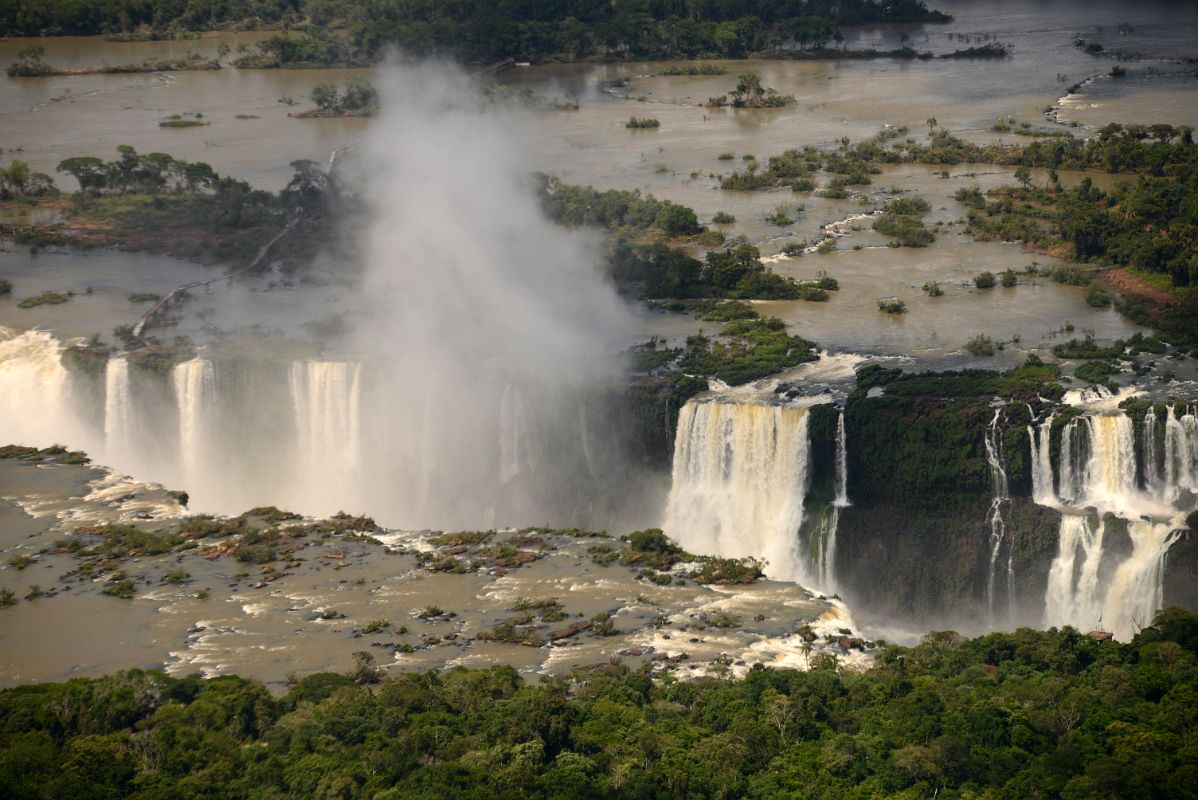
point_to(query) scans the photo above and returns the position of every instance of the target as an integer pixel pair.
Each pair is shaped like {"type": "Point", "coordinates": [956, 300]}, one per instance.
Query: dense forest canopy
{"type": "Point", "coordinates": [1050, 714]}
{"type": "Point", "coordinates": [485, 30]}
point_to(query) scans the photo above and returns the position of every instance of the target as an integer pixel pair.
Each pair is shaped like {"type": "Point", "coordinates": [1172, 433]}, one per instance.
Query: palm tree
{"type": "Point", "coordinates": [932, 123]}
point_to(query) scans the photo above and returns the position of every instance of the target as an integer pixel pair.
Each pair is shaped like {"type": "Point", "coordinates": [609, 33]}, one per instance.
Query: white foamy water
{"type": "Point", "coordinates": [739, 479]}
{"type": "Point", "coordinates": [326, 396]}
{"type": "Point", "coordinates": [1089, 586]}
{"type": "Point", "coordinates": [195, 399]}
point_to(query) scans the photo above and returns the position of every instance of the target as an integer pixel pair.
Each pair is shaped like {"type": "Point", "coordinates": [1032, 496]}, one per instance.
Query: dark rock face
{"type": "Point", "coordinates": [1181, 573]}
{"type": "Point", "coordinates": [922, 565]}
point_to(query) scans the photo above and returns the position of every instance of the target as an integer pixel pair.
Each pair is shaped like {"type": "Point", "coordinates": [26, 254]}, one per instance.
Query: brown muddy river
{"type": "Point", "coordinates": [226, 619]}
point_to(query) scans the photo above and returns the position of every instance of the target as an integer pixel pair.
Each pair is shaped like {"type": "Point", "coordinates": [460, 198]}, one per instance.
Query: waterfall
{"type": "Point", "coordinates": [1137, 589]}
{"type": "Point", "coordinates": [1181, 453]}
{"type": "Point", "coordinates": [119, 445]}
{"type": "Point", "coordinates": [1152, 471]}
{"type": "Point", "coordinates": [739, 480]}
{"type": "Point", "coordinates": [823, 550]}
{"type": "Point", "coordinates": [1074, 595]}
{"type": "Point", "coordinates": [1001, 498]}
{"type": "Point", "coordinates": [1098, 462]}
{"type": "Point", "coordinates": [1098, 470]}
{"type": "Point", "coordinates": [1040, 438]}
{"type": "Point", "coordinates": [842, 467]}
{"type": "Point", "coordinates": [326, 400]}
{"type": "Point", "coordinates": [516, 430]}
{"type": "Point", "coordinates": [195, 399]}
{"type": "Point", "coordinates": [34, 389]}
{"type": "Point", "coordinates": [1111, 472]}
{"type": "Point", "coordinates": [1074, 455]}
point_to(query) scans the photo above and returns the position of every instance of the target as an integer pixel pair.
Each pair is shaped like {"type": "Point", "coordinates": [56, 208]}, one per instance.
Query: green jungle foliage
{"type": "Point", "coordinates": [1051, 714]}
{"type": "Point", "coordinates": [360, 31]}
{"type": "Point", "coordinates": [628, 213]}
{"type": "Point", "coordinates": [1151, 224]}
{"type": "Point", "coordinates": [747, 350]}
{"type": "Point", "coordinates": [658, 271]}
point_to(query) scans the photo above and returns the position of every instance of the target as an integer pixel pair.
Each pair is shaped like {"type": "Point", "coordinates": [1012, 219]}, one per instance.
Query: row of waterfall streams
{"type": "Point", "coordinates": [1102, 485]}
{"type": "Point", "coordinates": [741, 470]}
{"type": "Point", "coordinates": [741, 475]}
{"type": "Point", "coordinates": [318, 435]}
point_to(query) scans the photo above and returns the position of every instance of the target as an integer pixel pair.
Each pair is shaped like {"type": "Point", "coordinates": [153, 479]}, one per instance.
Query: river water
{"type": "Point", "coordinates": [250, 135]}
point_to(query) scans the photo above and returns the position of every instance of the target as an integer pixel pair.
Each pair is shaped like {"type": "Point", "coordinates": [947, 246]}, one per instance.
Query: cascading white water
{"type": "Point", "coordinates": [1152, 471]}
{"type": "Point", "coordinates": [34, 388]}
{"type": "Point", "coordinates": [823, 537]}
{"type": "Point", "coordinates": [1098, 470]}
{"type": "Point", "coordinates": [195, 399]}
{"type": "Point", "coordinates": [739, 480]}
{"type": "Point", "coordinates": [1137, 589]}
{"type": "Point", "coordinates": [995, 519]}
{"type": "Point", "coordinates": [1043, 491]}
{"type": "Point", "coordinates": [824, 549]}
{"type": "Point", "coordinates": [1074, 596]}
{"type": "Point", "coordinates": [517, 452]}
{"type": "Point", "coordinates": [1111, 471]}
{"type": "Point", "coordinates": [326, 396]}
{"type": "Point", "coordinates": [842, 465]}
{"type": "Point", "coordinates": [1181, 452]}
{"type": "Point", "coordinates": [119, 445]}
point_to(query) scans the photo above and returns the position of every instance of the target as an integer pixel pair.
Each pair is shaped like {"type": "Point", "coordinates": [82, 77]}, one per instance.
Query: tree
{"type": "Point", "coordinates": [678, 220]}
{"type": "Point", "coordinates": [749, 84]}
{"type": "Point", "coordinates": [325, 96]}
{"type": "Point", "coordinates": [932, 123]}
{"type": "Point", "coordinates": [14, 177]}
{"type": "Point", "coordinates": [87, 170]}
{"type": "Point", "coordinates": [307, 187]}
{"type": "Point", "coordinates": [1024, 176]}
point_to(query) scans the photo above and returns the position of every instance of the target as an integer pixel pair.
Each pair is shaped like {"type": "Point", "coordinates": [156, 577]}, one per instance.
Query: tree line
{"type": "Point", "coordinates": [1051, 714]}
{"type": "Point", "coordinates": [478, 30]}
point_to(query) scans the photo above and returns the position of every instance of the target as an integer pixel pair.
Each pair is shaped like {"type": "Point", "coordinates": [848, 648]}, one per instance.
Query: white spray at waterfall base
{"type": "Point", "coordinates": [35, 407]}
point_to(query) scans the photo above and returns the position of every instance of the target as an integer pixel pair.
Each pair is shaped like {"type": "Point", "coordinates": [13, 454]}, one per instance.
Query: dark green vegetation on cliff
{"type": "Point", "coordinates": [1047, 714]}
{"type": "Point", "coordinates": [352, 32]}
{"type": "Point", "coordinates": [918, 470]}
{"type": "Point", "coordinates": [920, 441]}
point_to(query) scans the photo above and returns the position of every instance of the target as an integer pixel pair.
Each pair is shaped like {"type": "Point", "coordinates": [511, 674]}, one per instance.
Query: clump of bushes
{"type": "Point", "coordinates": [784, 214]}
{"type": "Point", "coordinates": [932, 289]}
{"type": "Point", "coordinates": [46, 298]}
{"type": "Point", "coordinates": [643, 122]}
{"type": "Point", "coordinates": [985, 280]}
{"type": "Point", "coordinates": [749, 349]}
{"type": "Point", "coordinates": [892, 305]}
{"type": "Point", "coordinates": [1097, 297]}
{"type": "Point", "coordinates": [980, 345]}
{"type": "Point", "coordinates": [904, 230]}
{"type": "Point", "coordinates": [726, 571]}
{"type": "Point", "coordinates": [723, 218]}
{"type": "Point", "coordinates": [749, 93]}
